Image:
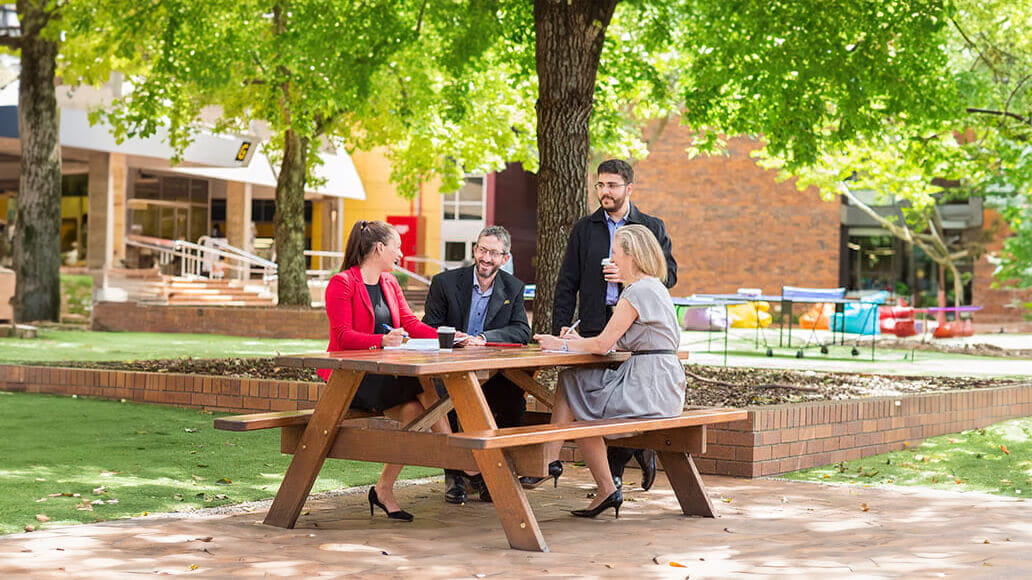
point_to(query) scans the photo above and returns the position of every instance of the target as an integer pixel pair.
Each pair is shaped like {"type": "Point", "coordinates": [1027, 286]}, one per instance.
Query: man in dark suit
{"type": "Point", "coordinates": [485, 303]}
{"type": "Point", "coordinates": [590, 288]}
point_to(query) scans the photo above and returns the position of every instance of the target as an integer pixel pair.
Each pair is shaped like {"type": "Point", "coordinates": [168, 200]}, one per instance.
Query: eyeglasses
{"type": "Point", "coordinates": [494, 254]}
{"type": "Point", "coordinates": [610, 186]}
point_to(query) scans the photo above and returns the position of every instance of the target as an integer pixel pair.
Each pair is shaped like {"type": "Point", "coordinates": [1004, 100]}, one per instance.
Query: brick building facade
{"type": "Point", "coordinates": [732, 224]}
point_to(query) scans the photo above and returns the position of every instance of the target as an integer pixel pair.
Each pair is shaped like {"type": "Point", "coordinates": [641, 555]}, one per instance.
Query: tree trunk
{"type": "Point", "coordinates": [569, 44]}
{"type": "Point", "coordinates": [37, 242]}
{"type": "Point", "coordinates": [292, 286]}
{"type": "Point", "coordinates": [958, 287]}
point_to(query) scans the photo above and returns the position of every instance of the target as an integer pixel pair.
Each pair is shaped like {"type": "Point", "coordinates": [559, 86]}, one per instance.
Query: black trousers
{"type": "Point", "coordinates": [507, 401]}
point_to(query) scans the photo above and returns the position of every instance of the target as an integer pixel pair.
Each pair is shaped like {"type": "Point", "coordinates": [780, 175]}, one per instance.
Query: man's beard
{"type": "Point", "coordinates": [491, 269]}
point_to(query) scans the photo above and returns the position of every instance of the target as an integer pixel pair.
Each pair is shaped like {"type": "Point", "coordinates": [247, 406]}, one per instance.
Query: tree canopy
{"type": "Point", "coordinates": [412, 75]}
{"type": "Point", "coordinates": [977, 145]}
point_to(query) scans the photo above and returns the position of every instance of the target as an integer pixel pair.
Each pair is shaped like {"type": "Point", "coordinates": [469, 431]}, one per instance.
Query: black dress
{"type": "Point", "coordinates": [377, 393]}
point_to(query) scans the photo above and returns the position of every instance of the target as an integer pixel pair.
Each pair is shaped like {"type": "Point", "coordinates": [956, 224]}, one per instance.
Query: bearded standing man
{"type": "Point", "coordinates": [485, 303]}
{"type": "Point", "coordinates": [592, 290]}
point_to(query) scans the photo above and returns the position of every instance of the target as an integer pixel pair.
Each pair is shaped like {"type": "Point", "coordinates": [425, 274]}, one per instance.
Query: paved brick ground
{"type": "Point", "coordinates": [766, 528]}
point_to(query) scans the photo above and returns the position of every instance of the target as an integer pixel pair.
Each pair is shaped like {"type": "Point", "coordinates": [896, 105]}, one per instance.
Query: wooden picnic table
{"type": "Point", "coordinates": [500, 455]}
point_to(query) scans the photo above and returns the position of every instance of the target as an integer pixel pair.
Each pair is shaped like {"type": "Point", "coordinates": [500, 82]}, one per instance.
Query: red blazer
{"type": "Point", "coordinates": [351, 313]}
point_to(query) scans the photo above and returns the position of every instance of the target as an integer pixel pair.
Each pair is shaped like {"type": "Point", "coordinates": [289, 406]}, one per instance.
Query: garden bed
{"type": "Point", "coordinates": [797, 419]}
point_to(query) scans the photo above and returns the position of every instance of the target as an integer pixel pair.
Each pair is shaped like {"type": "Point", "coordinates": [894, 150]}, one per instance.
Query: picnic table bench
{"type": "Point", "coordinates": [334, 430]}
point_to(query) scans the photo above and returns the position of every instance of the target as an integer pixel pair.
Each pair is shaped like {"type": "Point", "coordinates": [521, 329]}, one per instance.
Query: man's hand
{"type": "Point", "coordinates": [462, 339]}
{"type": "Point", "coordinates": [611, 273]}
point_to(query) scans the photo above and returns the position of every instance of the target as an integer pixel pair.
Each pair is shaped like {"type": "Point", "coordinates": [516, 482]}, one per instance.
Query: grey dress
{"type": "Point", "coordinates": [644, 386]}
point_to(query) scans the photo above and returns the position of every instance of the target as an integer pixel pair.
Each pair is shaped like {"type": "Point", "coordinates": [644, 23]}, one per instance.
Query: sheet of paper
{"type": "Point", "coordinates": [417, 344]}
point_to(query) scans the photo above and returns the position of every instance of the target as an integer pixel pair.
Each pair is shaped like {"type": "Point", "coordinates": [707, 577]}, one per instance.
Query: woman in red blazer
{"type": "Point", "coordinates": [368, 311]}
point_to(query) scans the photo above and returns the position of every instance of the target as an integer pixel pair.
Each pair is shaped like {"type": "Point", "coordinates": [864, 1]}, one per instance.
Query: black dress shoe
{"type": "Point", "coordinates": [477, 484]}
{"type": "Point", "coordinates": [454, 486]}
{"type": "Point", "coordinates": [646, 459]}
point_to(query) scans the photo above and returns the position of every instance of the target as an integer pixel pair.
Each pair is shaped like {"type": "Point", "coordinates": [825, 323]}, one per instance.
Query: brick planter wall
{"type": "Point", "coordinates": [780, 438]}
{"type": "Point", "coordinates": [250, 321]}
{"type": "Point", "coordinates": [774, 439]}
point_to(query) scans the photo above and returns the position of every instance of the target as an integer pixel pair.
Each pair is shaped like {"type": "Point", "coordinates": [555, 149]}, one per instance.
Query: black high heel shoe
{"type": "Point", "coordinates": [374, 500]}
{"type": "Point", "coordinates": [555, 469]}
{"type": "Point", "coordinates": [615, 500]}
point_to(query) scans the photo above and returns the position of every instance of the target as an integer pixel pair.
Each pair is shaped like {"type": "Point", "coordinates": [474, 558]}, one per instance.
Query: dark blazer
{"type": "Point", "coordinates": [451, 294]}
{"type": "Point", "coordinates": [580, 278]}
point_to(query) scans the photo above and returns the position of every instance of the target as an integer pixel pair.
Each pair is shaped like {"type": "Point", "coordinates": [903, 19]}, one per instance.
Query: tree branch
{"type": "Point", "coordinates": [1015, 116]}
{"type": "Point", "coordinates": [972, 44]}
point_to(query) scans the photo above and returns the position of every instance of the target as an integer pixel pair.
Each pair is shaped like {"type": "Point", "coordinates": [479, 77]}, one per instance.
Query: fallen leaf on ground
{"type": "Point", "coordinates": [864, 507]}
{"type": "Point", "coordinates": [42, 518]}
{"type": "Point", "coordinates": [30, 529]}
{"type": "Point", "coordinates": [99, 490]}
{"type": "Point", "coordinates": [677, 564]}
{"type": "Point", "coordinates": [1004, 449]}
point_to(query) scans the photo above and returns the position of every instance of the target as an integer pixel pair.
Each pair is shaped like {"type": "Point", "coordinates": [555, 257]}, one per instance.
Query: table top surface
{"type": "Point", "coordinates": [431, 362]}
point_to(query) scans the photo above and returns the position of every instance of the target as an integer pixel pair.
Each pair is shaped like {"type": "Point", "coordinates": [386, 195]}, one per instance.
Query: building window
{"type": "Point", "coordinates": [454, 251]}
{"type": "Point", "coordinates": [468, 202]}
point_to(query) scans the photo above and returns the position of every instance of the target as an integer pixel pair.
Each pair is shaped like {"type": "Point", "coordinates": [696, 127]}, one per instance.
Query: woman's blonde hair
{"type": "Point", "coordinates": [640, 244]}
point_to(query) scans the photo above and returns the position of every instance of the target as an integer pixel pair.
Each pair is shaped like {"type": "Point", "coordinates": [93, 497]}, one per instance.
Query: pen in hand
{"type": "Point", "coordinates": [389, 329]}
{"type": "Point", "coordinates": [571, 329]}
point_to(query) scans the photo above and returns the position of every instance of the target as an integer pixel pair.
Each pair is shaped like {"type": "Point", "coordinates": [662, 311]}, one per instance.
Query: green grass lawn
{"type": "Point", "coordinates": [83, 345]}
{"type": "Point", "coordinates": [996, 459]}
{"type": "Point", "coordinates": [75, 460]}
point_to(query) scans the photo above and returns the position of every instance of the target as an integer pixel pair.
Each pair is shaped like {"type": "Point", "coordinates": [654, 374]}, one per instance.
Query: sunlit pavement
{"type": "Point", "coordinates": [765, 528]}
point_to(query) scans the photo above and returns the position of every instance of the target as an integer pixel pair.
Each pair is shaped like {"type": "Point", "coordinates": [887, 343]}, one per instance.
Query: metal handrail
{"type": "Point", "coordinates": [196, 259]}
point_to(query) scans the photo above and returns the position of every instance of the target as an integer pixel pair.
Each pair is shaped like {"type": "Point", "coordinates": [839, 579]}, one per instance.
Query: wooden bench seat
{"type": "Point", "coordinates": [632, 430]}
{"type": "Point", "coordinates": [255, 421]}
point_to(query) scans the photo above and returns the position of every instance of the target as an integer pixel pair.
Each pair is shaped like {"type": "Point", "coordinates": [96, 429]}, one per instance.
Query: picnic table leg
{"type": "Point", "coordinates": [687, 483]}
{"type": "Point", "coordinates": [518, 521]}
{"type": "Point", "coordinates": [314, 445]}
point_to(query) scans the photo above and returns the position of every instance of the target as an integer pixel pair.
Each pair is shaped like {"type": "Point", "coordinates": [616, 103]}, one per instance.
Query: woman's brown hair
{"type": "Point", "coordinates": [363, 239]}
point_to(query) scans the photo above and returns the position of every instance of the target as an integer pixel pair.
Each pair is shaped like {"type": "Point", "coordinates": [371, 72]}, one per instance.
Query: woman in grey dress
{"type": "Point", "coordinates": [650, 384]}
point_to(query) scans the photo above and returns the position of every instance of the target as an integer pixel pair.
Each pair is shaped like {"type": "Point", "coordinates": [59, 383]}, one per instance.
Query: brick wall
{"type": "Point", "coordinates": [732, 225]}
{"type": "Point", "coordinates": [258, 322]}
{"type": "Point", "coordinates": [782, 438]}
{"type": "Point", "coordinates": [198, 391]}
{"type": "Point", "coordinates": [772, 440]}
{"type": "Point", "coordinates": [1001, 309]}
